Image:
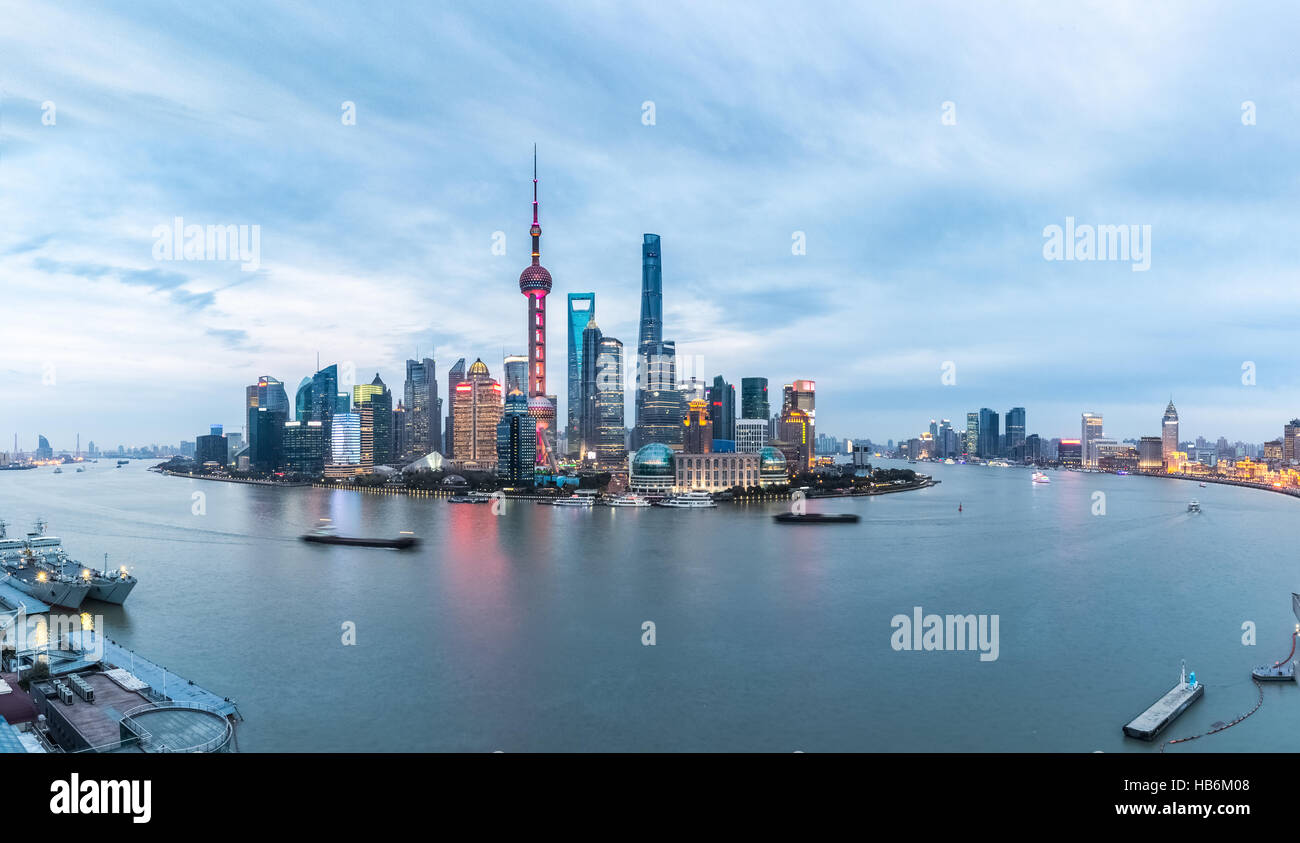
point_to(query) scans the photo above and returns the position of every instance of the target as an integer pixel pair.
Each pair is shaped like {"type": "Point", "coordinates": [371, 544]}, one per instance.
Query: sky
{"type": "Point", "coordinates": [918, 153]}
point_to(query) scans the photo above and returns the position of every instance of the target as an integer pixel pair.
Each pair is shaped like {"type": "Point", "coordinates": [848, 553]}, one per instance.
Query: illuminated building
{"type": "Point", "coordinates": [712, 472]}
{"type": "Point", "coordinates": [772, 468]}
{"type": "Point", "coordinates": [582, 310]}
{"type": "Point", "coordinates": [304, 447]}
{"type": "Point", "coordinates": [1289, 431]}
{"type": "Point", "coordinates": [650, 469]}
{"type": "Point", "coordinates": [535, 283]}
{"type": "Point", "coordinates": [697, 438]}
{"type": "Point", "coordinates": [1091, 429]}
{"type": "Point", "coordinates": [972, 434]}
{"type": "Point", "coordinates": [795, 431]}
{"type": "Point", "coordinates": [516, 373]}
{"type": "Point", "coordinates": [1114, 456]}
{"type": "Point", "coordinates": [1070, 452]}
{"type": "Point", "coordinates": [423, 407]}
{"type": "Point", "coordinates": [213, 448]}
{"type": "Point", "coordinates": [516, 442]}
{"type": "Point", "coordinates": [376, 396]}
{"type": "Point", "coordinates": [477, 408]}
{"type": "Point", "coordinates": [1151, 455]}
{"type": "Point", "coordinates": [751, 435]}
{"type": "Point", "coordinates": [722, 408]}
{"type": "Point", "coordinates": [1273, 450]}
{"type": "Point", "coordinates": [610, 448]}
{"type": "Point", "coordinates": [1169, 430]}
{"type": "Point", "coordinates": [753, 399]}
{"type": "Point", "coordinates": [659, 405]}
{"type": "Point", "coordinates": [266, 395]}
{"type": "Point", "coordinates": [345, 446]}
{"type": "Point", "coordinates": [1015, 448]}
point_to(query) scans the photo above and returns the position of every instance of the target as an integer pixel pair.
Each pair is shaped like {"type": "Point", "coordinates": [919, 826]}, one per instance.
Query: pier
{"type": "Point", "coordinates": [1164, 711]}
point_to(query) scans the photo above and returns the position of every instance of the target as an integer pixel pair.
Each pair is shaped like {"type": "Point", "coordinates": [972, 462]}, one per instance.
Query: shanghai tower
{"type": "Point", "coordinates": [658, 402]}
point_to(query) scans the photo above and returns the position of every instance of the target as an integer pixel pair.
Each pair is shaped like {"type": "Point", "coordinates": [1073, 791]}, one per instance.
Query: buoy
{"type": "Point", "coordinates": [959, 507]}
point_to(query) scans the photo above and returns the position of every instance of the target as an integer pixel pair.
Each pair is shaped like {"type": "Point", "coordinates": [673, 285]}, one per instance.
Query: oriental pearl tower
{"type": "Point", "coordinates": [535, 283]}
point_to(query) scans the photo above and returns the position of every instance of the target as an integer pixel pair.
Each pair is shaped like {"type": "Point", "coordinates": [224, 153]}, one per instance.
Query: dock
{"type": "Point", "coordinates": [1164, 711]}
{"type": "Point", "coordinates": [12, 598]}
{"type": "Point", "coordinates": [173, 686]}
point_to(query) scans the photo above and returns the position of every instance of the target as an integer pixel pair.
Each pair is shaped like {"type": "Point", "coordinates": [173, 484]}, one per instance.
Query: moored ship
{"type": "Point", "coordinates": [690, 500]}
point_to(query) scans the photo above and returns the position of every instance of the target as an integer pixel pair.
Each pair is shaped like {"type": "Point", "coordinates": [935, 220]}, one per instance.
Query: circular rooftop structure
{"type": "Point", "coordinates": [180, 727]}
{"type": "Point", "coordinates": [652, 469]}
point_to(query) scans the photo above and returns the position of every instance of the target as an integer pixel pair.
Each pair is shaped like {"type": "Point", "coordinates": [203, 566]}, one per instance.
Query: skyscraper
{"type": "Point", "coordinates": [516, 442]}
{"type": "Point", "coordinates": [989, 438]}
{"type": "Point", "coordinates": [324, 389]}
{"type": "Point", "coordinates": [753, 399]}
{"type": "Point", "coordinates": [302, 400]}
{"type": "Point", "coordinates": [697, 438]}
{"type": "Point", "coordinates": [1169, 432]}
{"type": "Point", "coordinates": [1016, 433]}
{"type": "Point", "coordinates": [656, 361]}
{"type": "Point", "coordinates": [588, 421]}
{"type": "Point", "coordinates": [582, 309]}
{"type": "Point", "coordinates": [376, 395]}
{"type": "Point", "coordinates": [722, 408]}
{"type": "Point", "coordinates": [477, 407]}
{"type": "Point", "coordinates": [972, 434]}
{"type": "Point", "coordinates": [423, 407]}
{"type": "Point", "coordinates": [516, 373]}
{"type": "Point", "coordinates": [535, 283]}
{"type": "Point", "coordinates": [1091, 427]}
{"type": "Point", "coordinates": [455, 375]}
{"type": "Point", "coordinates": [268, 410]}
{"type": "Point", "coordinates": [610, 450]}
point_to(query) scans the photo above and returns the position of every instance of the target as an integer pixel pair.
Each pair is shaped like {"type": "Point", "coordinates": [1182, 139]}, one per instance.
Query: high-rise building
{"type": "Point", "coordinates": [1151, 453]}
{"type": "Point", "coordinates": [1289, 433]}
{"type": "Point", "coordinates": [947, 443]}
{"type": "Point", "coordinates": [989, 440]}
{"type": "Point", "coordinates": [586, 434]}
{"type": "Point", "coordinates": [265, 429]}
{"type": "Point", "coordinates": [324, 388]}
{"type": "Point", "coordinates": [516, 373]}
{"type": "Point", "coordinates": [304, 447]}
{"type": "Point", "coordinates": [751, 435]}
{"type": "Point", "coordinates": [516, 442]}
{"type": "Point", "coordinates": [796, 433]}
{"type": "Point", "coordinates": [302, 400]}
{"type": "Point", "coordinates": [535, 283]}
{"type": "Point", "coordinates": [345, 446]}
{"type": "Point", "coordinates": [455, 375]}
{"type": "Point", "coordinates": [267, 394]}
{"type": "Point", "coordinates": [1091, 429]}
{"type": "Point", "coordinates": [400, 448]}
{"type": "Point", "coordinates": [1016, 433]}
{"type": "Point", "coordinates": [376, 395]}
{"type": "Point", "coordinates": [1169, 431]}
{"type": "Point", "coordinates": [722, 408]}
{"type": "Point", "coordinates": [659, 402]}
{"type": "Point", "coordinates": [972, 443]}
{"type": "Point", "coordinates": [212, 448]}
{"type": "Point", "coordinates": [611, 447]}
{"type": "Point", "coordinates": [753, 399]}
{"type": "Point", "coordinates": [477, 408]}
{"type": "Point", "coordinates": [697, 436]}
{"type": "Point", "coordinates": [582, 310]}
{"type": "Point", "coordinates": [423, 407]}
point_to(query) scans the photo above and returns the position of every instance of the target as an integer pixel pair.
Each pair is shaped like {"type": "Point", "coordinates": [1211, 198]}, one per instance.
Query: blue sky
{"type": "Point", "coordinates": [924, 240]}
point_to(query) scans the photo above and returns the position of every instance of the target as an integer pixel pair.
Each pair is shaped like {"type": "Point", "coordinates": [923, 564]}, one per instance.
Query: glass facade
{"type": "Point", "coordinates": [304, 447]}
{"type": "Point", "coordinates": [651, 469]}
{"type": "Point", "coordinates": [610, 449]}
{"type": "Point", "coordinates": [582, 309]}
{"type": "Point", "coordinates": [753, 399]}
{"type": "Point", "coordinates": [516, 442]}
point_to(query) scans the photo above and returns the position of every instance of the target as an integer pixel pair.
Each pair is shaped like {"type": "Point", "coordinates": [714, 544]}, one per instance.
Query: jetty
{"type": "Point", "coordinates": [1165, 710]}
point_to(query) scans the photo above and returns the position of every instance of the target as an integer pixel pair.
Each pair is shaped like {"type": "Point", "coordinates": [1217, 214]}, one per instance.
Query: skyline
{"type": "Point", "coordinates": [922, 238]}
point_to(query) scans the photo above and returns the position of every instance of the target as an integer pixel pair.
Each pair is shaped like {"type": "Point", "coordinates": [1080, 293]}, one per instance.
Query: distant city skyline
{"type": "Point", "coordinates": [814, 226]}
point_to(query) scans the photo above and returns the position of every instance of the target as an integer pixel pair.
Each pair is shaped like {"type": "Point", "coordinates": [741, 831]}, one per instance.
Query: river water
{"type": "Point", "coordinates": [523, 631]}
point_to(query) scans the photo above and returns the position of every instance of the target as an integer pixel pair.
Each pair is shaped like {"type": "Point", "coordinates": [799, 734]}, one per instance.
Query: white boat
{"type": "Point", "coordinates": [690, 500]}
{"type": "Point", "coordinates": [1202, 485]}
{"type": "Point", "coordinates": [575, 500]}
{"type": "Point", "coordinates": [627, 500]}
{"type": "Point", "coordinates": [58, 471]}
{"type": "Point", "coordinates": [1194, 506]}
{"type": "Point", "coordinates": [1040, 477]}
{"type": "Point", "coordinates": [999, 464]}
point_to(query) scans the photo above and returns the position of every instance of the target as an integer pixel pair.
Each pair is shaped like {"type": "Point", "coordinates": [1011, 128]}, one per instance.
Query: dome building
{"type": "Point", "coordinates": [772, 468]}
{"type": "Point", "coordinates": [651, 470]}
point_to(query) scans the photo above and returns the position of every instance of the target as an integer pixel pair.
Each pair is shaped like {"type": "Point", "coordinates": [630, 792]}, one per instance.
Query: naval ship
{"type": "Point", "coordinates": [38, 565]}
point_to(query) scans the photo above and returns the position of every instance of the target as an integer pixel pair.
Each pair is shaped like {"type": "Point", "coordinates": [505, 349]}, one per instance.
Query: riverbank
{"type": "Point", "coordinates": [243, 480]}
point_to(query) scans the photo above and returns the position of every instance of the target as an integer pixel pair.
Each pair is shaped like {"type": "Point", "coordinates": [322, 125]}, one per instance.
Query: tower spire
{"type": "Point", "coordinates": [536, 230]}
